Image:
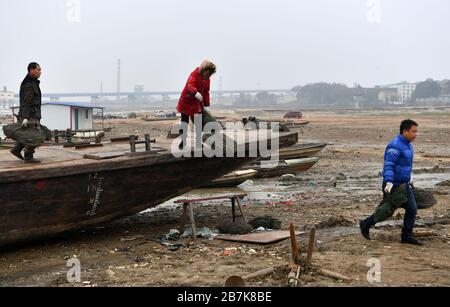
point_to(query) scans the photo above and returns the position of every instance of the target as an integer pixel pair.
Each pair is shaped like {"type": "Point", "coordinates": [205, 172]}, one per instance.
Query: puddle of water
{"type": "Point", "coordinates": [427, 181]}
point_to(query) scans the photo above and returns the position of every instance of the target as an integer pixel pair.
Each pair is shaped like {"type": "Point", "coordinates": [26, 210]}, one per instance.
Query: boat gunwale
{"type": "Point", "coordinates": [61, 169]}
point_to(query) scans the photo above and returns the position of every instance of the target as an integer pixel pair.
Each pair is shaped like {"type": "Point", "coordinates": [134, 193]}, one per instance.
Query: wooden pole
{"type": "Point", "coordinates": [233, 209]}
{"type": "Point", "coordinates": [312, 240]}
{"type": "Point", "coordinates": [194, 229]}
{"type": "Point", "coordinates": [294, 247]}
{"type": "Point", "coordinates": [240, 209]}
{"type": "Point", "coordinates": [333, 275]}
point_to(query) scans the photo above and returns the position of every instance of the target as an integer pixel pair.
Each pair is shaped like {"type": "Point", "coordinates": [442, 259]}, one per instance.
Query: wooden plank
{"type": "Point", "coordinates": [312, 240]}
{"type": "Point", "coordinates": [181, 201]}
{"type": "Point", "coordinates": [73, 145]}
{"type": "Point", "coordinates": [84, 146]}
{"type": "Point", "coordinates": [123, 139]}
{"type": "Point", "coordinates": [194, 228]}
{"type": "Point", "coordinates": [104, 155]}
{"type": "Point", "coordinates": [260, 238]}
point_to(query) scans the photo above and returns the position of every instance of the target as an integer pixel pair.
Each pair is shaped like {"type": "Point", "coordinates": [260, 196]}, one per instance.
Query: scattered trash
{"type": "Point", "coordinates": [230, 251]}
{"type": "Point", "coordinates": [173, 235]}
{"type": "Point", "coordinates": [172, 246]}
{"type": "Point", "coordinates": [252, 252]}
{"type": "Point", "coordinates": [187, 233]}
{"type": "Point", "coordinates": [261, 229]}
{"type": "Point", "coordinates": [126, 239]}
{"type": "Point", "coordinates": [206, 233]}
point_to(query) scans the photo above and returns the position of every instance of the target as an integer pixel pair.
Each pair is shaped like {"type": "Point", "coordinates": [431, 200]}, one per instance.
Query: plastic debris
{"type": "Point", "coordinates": [173, 235]}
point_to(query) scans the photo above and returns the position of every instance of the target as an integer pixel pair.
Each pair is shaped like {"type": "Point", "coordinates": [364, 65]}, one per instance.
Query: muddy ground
{"type": "Point", "coordinates": [333, 196]}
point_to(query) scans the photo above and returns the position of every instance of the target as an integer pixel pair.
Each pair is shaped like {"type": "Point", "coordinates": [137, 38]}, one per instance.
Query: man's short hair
{"type": "Point", "coordinates": [32, 65]}
{"type": "Point", "coordinates": [407, 125]}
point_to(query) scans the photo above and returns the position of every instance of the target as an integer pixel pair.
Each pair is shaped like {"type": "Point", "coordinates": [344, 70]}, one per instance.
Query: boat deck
{"type": "Point", "coordinates": [56, 158]}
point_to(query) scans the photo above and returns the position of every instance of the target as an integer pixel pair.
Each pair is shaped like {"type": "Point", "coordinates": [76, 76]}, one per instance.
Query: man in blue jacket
{"type": "Point", "coordinates": [398, 165]}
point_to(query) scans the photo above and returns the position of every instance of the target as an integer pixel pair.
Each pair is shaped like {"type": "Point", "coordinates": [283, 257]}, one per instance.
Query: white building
{"type": "Point", "coordinates": [390, 97]}
{"type": "Point", "coordinates": [405, 91]}
{"type": "Point", "coordinates": [7, 100]}
{"type": "Point", "coordinates": [6, 96]}
{"type": "Point", "coordinates": [66, 115]}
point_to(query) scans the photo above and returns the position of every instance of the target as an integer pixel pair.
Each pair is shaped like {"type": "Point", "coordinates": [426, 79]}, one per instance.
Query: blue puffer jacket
{"type": "Point", "coordinates": [398, 161]}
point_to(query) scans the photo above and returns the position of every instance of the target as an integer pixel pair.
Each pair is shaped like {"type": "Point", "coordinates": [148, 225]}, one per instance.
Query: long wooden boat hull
{"type": "Point", "coordinates": [229, 181]}
{"type": "Point", "coordinates": [41, 208]}
{"type": "Point", "coordinates": [283, 168]}
{"type": "Point", "coordinates": [301, 151]}
{"type": "Point", "coordinates": [49, 199]}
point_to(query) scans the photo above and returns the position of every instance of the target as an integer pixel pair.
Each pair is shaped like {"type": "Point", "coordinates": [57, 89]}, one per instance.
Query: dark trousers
{"type": "Point", "coordinates": [185, 119]}
{"type": "Point", "coordinates": [410, 213]}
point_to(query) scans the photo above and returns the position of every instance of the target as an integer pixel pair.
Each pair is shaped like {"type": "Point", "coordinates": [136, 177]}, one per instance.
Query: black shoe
{"type": "Point", "coordinates": [412, 241]}
{"type": "Point", "coordinates": [32, 161]}
{"type": "Point", "coordinates": [16, 153]}
{"type": "Point", "coordinates": [365, 231]}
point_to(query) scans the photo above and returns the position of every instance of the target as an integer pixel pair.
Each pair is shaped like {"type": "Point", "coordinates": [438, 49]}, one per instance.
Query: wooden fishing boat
{"type": "Point", "coordinates": [282, 167]}
{"type": "Point", "coordinates": [72, 189]}
{"type": "Point", "coordinates": [300, 151]}
{"type": "Point", "coordinates": [231, 180]}
{"type": "Point", "coordinates": [159, 119]}
{"type": "Point", "coordinates": [295, 123]}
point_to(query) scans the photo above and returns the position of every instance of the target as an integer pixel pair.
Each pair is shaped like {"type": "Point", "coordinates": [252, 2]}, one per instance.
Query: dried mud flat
{"type": "Point", "coordinates": [339, 191]}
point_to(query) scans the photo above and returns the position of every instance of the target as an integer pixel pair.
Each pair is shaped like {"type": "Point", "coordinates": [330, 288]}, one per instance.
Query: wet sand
{"type": "Point", "coordinates": [334, 195]}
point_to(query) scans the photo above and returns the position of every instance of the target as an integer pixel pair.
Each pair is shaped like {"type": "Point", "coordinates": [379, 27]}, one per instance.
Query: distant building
{"type": "Point", "coordinates": [67, 115]}
{"type": "Point", "coordinates": [5, 95]}
{"type": "Point", "coordinates": [405, 91]}
{"type": "Point", "coordinates": [139, 89]}
{"type": "Point", "coordinates": [389, 96]}
{"type": "Point", "coordinates": [7, 100]}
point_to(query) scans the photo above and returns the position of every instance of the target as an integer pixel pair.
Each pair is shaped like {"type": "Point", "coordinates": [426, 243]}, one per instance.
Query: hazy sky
{"type": "Point", "coordinates": [255, 43]}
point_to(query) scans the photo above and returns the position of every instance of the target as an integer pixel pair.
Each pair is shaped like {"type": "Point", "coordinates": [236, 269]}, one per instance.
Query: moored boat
{"type": "Point", "coordinates": [282, 167]}
{"type": "Point", "coordinates": [232, 179]}
{"type": "Point", "coordinates": [69, 191]}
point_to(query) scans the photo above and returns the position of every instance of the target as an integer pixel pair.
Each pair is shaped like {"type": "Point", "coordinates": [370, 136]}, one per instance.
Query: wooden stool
{"type": "Point", "coordinates": [187, 205]}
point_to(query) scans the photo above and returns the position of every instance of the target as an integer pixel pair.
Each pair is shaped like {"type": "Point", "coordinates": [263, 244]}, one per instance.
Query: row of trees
{"type": "Point", "coordinates": [325, 94]}
{"type": "Point", "coordinates": [430, 89]}
{"type": "Point", "coordinates": [336, 94]}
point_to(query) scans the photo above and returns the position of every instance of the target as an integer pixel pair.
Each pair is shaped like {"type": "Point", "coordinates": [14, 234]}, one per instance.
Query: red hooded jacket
{"type": "Point", "coordinates": [188, 104]}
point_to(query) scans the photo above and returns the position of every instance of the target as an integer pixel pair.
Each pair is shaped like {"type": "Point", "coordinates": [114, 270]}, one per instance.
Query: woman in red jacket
{"type": "Point", "coordinates": [195, 98]}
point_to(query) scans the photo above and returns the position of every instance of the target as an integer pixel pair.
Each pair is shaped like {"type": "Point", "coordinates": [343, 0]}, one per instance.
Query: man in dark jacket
{"type": "Point", "coordinates": [398, 165]}
{"type": "Point", "coordinates": [30, 109]}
